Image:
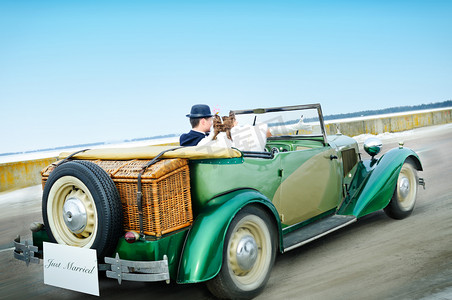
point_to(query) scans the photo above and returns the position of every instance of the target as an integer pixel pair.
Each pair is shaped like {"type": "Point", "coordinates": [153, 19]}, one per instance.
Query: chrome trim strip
{"type": "Point", "coordinates": [276, 109]}
{"type": "Point", "coordinates": [287, 230]}
{"type": "Point", "coordinates": [319, 236]}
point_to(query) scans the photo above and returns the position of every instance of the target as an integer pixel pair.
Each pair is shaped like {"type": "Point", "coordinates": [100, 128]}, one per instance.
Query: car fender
{"type": "Point", "coordinates": [378, 187]}
{"type": "Point", "coordinates": [202, 254]}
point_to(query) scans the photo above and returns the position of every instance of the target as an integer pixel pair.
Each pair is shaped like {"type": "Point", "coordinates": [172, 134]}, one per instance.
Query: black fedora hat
{"type": "Point", "coordinates": [200, 111]}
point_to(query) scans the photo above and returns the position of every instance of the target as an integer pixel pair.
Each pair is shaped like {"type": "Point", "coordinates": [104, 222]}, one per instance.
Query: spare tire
{"type": "Point", "coordinates": [81, 207]}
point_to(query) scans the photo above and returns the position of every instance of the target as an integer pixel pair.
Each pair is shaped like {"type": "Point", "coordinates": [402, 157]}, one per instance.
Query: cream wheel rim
{"type": "Point", "coordinates": [72, 212]}
{"type": "Point", "coordinates": [249, 252]}
{"type": "Point", "coordinates": [406, 187]}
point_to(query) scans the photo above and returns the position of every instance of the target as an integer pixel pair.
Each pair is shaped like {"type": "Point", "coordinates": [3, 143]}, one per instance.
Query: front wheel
{"type": "Point", "coordinates": [248, 255]}
{"type": "Point", "coordinates": [404, 197]}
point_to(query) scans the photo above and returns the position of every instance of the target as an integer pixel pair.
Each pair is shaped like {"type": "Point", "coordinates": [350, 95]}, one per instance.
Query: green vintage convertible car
{"type": "Point", "coordinates": [218, 215]}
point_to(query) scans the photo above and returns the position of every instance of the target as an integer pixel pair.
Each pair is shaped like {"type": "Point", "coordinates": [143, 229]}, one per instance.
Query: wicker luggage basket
{"type": "Point", "coordinates": [166, 202]}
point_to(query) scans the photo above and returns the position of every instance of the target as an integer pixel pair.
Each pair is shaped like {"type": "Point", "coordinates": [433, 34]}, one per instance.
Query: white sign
{"type": "Point", "coordinates": [71, 268]}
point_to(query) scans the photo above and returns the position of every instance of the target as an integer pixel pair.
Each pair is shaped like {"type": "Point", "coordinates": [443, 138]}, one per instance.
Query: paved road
{"type": "Point", "coordinates": [375, 258]}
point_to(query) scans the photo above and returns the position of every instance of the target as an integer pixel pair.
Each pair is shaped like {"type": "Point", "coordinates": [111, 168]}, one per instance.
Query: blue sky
{"type": "Point", "coordinates": [87, 71]}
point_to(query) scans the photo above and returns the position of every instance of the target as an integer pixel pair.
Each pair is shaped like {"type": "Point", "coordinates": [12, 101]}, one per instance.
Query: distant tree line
{"type": "Point", "coordinates": [390, 110]}
{"type": "Point", "coordinates": [152, 137]}
{"type": "Point", "coordinates": [89, 145]}
{"type": "Point", "coordinates": [364, 113]}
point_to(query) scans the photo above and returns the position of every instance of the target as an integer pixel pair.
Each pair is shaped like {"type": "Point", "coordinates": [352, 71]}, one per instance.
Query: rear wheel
{"type": "Point", "coordinates": [248, 255]}
{"type": "Point", "coordinates": [404, 197]}
{"type": "Point", "coordinates": [81, 207]}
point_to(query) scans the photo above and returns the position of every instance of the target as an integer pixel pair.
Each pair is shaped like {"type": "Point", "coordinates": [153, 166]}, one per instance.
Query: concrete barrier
{"type": "Point", "coordinates": [22, 174]}
{"type": "Point", "coordinates": [389, 123]}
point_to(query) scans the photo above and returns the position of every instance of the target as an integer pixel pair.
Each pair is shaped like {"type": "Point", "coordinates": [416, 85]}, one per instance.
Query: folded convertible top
{"type": "Point", "coordinates": [149, 152]}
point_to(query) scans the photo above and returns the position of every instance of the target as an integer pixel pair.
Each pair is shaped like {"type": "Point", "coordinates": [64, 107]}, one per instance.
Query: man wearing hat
{"type": "Point", "coordinates": [201, 121]}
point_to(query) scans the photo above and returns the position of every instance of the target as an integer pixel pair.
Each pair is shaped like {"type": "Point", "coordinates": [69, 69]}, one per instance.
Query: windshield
{"type": "Point", "coordinates": [284, 116]}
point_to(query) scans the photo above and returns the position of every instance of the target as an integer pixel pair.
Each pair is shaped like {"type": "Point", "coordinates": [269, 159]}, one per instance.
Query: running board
{"type": "Point", "coordinates": [315, 230]}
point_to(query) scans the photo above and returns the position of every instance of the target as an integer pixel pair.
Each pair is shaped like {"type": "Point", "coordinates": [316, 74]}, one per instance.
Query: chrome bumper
{"type": "Point", "coordinates": [122, 269]}
{"type": "Point", "coordinates": [25, 252]}
{"type": "Point", "coordinates": [116, 268]}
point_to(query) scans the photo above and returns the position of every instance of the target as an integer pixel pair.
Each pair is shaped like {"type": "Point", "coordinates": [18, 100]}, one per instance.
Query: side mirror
{"type": "Point", "coordinates": [373, 146]}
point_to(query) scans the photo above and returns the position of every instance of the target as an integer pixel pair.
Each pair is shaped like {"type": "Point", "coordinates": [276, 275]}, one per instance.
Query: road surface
{"type": "Point", "coordinates": [375, 258]}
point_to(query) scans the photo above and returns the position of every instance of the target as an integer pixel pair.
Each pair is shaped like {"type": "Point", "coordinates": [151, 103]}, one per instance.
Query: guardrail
{"type": "Point", "coordinates": [22, 174]}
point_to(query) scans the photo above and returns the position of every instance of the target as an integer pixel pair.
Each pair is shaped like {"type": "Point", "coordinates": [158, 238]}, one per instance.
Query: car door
{"type": "Point", "coordinates": [310, 184]}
